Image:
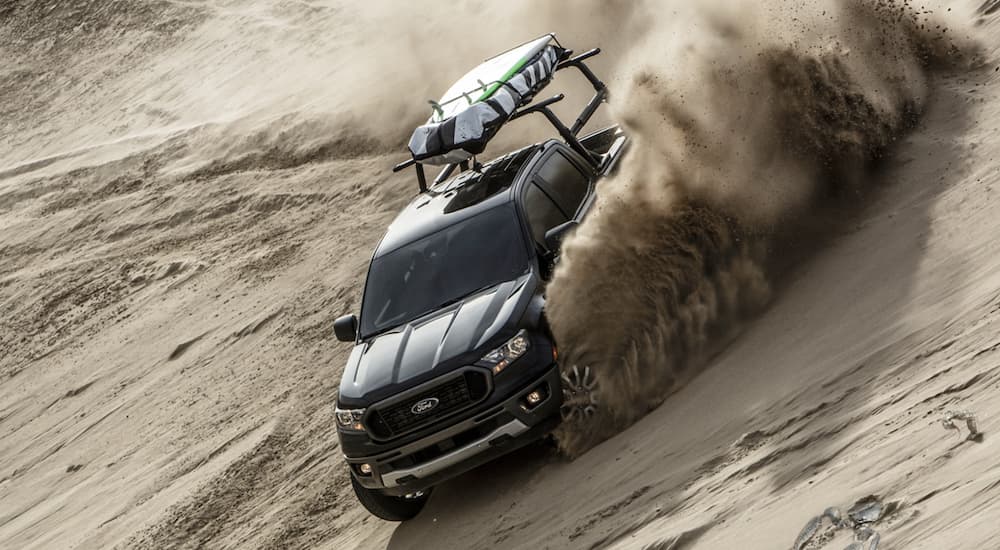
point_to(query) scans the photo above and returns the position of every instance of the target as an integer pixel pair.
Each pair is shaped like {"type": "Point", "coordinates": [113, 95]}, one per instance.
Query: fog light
{"type": "Point", "coordinates": [534, 397]}
{"type": "Point", "coordinates": [366, 469]}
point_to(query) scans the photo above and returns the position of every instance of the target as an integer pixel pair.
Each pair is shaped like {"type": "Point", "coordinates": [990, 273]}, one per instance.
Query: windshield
{"type": "Point", "coordinates": [439, 269]}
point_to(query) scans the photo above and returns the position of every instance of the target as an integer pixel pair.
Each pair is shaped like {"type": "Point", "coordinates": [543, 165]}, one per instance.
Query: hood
{"type": "Point", "coordinates": [434, 344]}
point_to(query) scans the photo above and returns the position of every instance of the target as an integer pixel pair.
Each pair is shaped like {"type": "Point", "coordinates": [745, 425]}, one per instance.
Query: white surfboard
{"type": "Point", "coordinates": [481, 82]}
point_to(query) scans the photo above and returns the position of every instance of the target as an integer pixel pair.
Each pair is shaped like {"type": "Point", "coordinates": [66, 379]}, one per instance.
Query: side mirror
{"type": "Point", "coordinates": [554, 237]}
{"type": "Point", "coordinates": [346, 328]}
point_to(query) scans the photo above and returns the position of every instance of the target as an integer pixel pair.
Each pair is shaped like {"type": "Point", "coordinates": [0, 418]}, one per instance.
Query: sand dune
{"type": "Point", "coordinates": [189, 195]}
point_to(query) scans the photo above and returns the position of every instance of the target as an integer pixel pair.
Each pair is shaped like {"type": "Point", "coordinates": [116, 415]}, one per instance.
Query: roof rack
{"type": "Point", "coordinates": [524, 105]}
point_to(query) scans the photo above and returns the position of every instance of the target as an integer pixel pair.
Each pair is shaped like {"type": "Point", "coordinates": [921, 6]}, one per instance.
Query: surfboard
{"type": "Point", "coordinates": [472, 111]}
{"type": "Point", "coordinates": [483, 81]}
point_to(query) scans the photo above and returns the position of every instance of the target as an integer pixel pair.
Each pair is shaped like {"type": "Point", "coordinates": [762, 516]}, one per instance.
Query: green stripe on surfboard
{"type": "Point", "coordinates": [507, 76]}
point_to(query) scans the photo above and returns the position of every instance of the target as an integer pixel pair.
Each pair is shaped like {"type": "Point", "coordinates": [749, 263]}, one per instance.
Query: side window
{"type": "Point", "coordinates": [543, 214]}
{"type": "Point", "coordinates": [564, 182]}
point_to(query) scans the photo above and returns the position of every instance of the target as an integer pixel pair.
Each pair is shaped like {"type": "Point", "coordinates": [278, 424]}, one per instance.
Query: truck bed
{"type": "Point", "coordinates": [609, 144]}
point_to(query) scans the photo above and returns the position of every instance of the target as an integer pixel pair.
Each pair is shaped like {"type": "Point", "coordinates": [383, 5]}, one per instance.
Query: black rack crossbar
{"type": "Point", "coordinates": [600, 89]}
{"type": "Point", "coordinates": [404, 165]}
{"type": "Point", "coordinates": [568, 135]}
{"type": "Point", "coordinates": [421, 177]}
{"type": "Point", "coordinates": [537, 107]}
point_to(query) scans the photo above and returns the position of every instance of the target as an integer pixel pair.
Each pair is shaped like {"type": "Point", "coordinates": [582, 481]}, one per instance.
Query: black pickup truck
{"type": "Point", "coordinates": [453, 363]}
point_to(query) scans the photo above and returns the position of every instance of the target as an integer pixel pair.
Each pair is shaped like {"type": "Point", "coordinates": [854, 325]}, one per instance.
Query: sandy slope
{"type": "Point", "coordinates": [167, 367]}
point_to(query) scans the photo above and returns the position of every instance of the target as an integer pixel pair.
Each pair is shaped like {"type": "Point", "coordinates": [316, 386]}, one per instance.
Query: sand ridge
{"type": "Point", "coordinates": [174, 255]}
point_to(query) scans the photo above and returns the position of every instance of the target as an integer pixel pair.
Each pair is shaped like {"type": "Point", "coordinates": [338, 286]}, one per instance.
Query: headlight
{"type": "Point", "coordinates": [350, 420]}
{"type": "Point", "coordinates": [506, 354]}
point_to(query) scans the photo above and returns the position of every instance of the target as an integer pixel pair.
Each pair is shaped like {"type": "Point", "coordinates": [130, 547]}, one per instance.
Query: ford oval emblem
{"type": "Point", "coordinates": [424, 405]}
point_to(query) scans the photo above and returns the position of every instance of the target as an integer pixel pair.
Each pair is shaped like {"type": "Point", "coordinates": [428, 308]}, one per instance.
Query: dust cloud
{"type": "Point", "coordinates": [747, 120]}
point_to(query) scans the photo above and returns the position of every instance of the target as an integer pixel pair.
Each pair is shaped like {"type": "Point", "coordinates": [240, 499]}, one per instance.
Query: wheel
{"type": "Point", "coordinates": [388, 507]}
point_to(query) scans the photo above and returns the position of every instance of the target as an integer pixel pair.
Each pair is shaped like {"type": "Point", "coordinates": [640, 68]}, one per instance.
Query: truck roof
{"type": "Point", "coordinates": [456, 199]}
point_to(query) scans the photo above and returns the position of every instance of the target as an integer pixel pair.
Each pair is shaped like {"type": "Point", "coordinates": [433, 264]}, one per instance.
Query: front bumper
{"type": "Point", "coordinates": [458, 448]}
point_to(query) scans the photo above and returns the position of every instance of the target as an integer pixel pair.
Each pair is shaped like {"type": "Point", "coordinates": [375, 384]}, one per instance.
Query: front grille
{"type": "Point", "coordinates": [453, 395]}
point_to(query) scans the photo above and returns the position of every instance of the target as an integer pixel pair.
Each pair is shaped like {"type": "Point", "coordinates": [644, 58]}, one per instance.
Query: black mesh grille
{"type": "Point", "coordinates": [453, 395]}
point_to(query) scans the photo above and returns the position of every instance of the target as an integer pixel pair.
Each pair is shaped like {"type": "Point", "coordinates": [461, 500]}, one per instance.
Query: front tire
{"type": "Point", "coordinates": [387, 507]}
